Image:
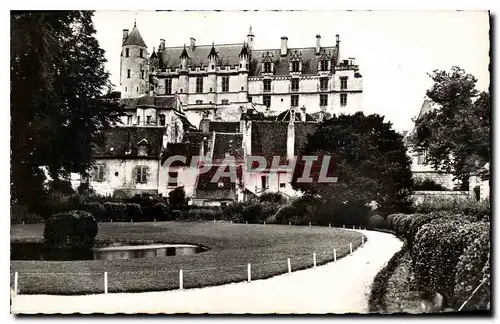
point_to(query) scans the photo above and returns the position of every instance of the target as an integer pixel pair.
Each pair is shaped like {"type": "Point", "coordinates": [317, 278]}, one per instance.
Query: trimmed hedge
{"type": "Point", "coordinates": [75, 229]}
{"type": "Point", "coordinates": [449, 252]}
{"type": "Point", "coordinates": [377, 221]}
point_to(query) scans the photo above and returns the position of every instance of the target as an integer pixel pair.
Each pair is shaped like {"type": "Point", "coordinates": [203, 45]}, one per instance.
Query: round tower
{"type": "Point", "coordinates": [212, 75]}
{"type": "Point", "coordinates": [183, 77]}
{"type": "Point", "coordinates": [243, 73]}
{"type": "Point", "coordinates": [133, 65]}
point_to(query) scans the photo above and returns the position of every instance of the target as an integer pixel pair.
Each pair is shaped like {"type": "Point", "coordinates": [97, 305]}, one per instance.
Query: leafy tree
{"type": "Point", "coordinates": [177, 199]}
{"type": "Point", "coordinates": [60, 97]}
{"type": "Point", "coordinates": [455, 135]}
{"type": "Point", "coordinates": [367, 156]}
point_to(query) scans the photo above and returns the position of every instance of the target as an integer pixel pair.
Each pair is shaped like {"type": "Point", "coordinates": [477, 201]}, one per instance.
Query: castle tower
{"type": "Point", "coordinates": [183, 77]}
{"type": "Point", "coordinates": [133, 65]}
{"type": "Point", "coordinates": [212, 75]}
{"type": "Point", "coordinates": [250, 38]}
{"type": "Point", "coordinates": [243, 73]}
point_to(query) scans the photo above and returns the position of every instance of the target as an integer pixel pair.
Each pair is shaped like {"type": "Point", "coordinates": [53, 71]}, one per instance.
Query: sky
{"type": "Point", "coordinates": [395, 50]}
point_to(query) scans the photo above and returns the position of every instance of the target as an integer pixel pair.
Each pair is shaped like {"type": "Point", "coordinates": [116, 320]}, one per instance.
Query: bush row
{"type": "Point", "coordinates": [450, 255]}
{"type": "Point", "coordinates": [470, 207]}
{"type": "Point", "coordinates": [121, 212]}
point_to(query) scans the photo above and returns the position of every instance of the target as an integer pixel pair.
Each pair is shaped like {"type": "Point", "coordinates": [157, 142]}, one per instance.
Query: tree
{"type": "Point", "coordinates": [177, 199]}
{"type": "Point", "coordinates": [58, 98]}
{"type": "Point", "coordinates": [367, 156]}
{"type": "Point", "coordinates": [455, 135]}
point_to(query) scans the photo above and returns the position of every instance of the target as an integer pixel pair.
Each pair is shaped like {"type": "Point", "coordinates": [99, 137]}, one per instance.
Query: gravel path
{"type": "Point", "coordinates": [341, 287]}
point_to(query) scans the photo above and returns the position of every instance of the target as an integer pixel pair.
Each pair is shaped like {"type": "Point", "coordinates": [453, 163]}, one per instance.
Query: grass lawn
{"type": "Point", "coordinates": [232, 247]}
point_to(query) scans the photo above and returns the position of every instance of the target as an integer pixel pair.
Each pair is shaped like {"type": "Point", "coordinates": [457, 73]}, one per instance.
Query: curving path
{"type": "Point", "coordinates": [341, 287]}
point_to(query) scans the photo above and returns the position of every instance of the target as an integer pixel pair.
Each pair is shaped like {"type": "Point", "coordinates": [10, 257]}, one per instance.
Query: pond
{"type": "Point", "coordinates": [115, 251]}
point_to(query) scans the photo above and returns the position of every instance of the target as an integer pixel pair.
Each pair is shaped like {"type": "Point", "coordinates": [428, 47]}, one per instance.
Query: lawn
{"type": "Point", "coordinates": [232, 247]}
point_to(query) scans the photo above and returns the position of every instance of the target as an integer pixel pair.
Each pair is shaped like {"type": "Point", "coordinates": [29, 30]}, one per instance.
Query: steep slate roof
{"type": "Point", "coordinates": [134, 38]}
{"type": "Point", "coordinates": [285, 116]}
{"type": "Point", "coordinates": [282, 64]}
{"type": "Point", "coordinates": [227, 143]}
{"type": "Point", "coordinates": [270, 138]}
{"type": "Point", "coordinates": [184, 149]}
{"type": "Point", "coordinates": [227, 55]}
{"type": "Point", "coordinates": [119, 140]}
{"type": "Point", "coordinates": [163, 102]}
{"type": "Point", "coordinates": [206, 189]}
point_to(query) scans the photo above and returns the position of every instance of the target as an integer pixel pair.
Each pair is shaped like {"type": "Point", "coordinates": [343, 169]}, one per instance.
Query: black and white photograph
{"type": "Point", "coordinates": [323, 162]}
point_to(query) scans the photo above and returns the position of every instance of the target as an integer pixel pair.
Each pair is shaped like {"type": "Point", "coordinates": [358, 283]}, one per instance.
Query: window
{"type": "Point", "coordinates": [168, 86]}
{"type": "Point", "coordinates": [263, 182]}
{"type": "Point", "coordinates": [126, 52]}
{"type": "Point", "coordinates": [295, 84]}
{"type": "Point", "coordinates": [267, 85]}
{"type": "Point", "coordinates": [225, 101]}
{"type": "Point", "coordinates": [142, 74]}
{"type": "Point", "coordinates": [172, 178]}
{"type": "Point", "coordinates": [141, 174]}
{"type": "Point", "coordinates": [267, 101]}
{"type": "Point", "coordinates": [323, 100]}
{"type": "Point", "coordinates": [225, 84]}
{"type": "Point", "coordinates": [324, 65]}
{"type": "Point", "coordinates": [250, 99]}
{"type": "Point", "coordinates": [99, 172]}
{"type": "Point", "coordinates": [295, 100]}
{"type": "Point", "coordinates": [283, 185]}
{"type": "Point", "coordinates": [199, 102]}
{"type": "Point", "coordinates": [343, 83]}
{"type": "Point", "coordinates": [142, 150]}
{"type": "Point", "coordinates": [138, 120]}
{"type": "Point", "coordinates": [295, 66]}
{"type": "Point", "coordinates": [343, 99]}
{"type": "Point", "coordinates": [125, 89]}
{"type": "Point", "coordinates": [422, 157]}
{"type": "Point", "coordinates": [148, 120]}
{"type": "Point", "coordinates": [323, 84]}
{"type": "Point", "coordinates": [267, 67]}
{"type": "Point", "coordinates": [141, 52]}
{"type": "Point", "coordinates": [128, 73]}
{"type": "Point", "coordinates": [129, 120]}
{"type": "Point", "coordinates": [199, 84]}
{"type": "Point", "coordinates": [162, 120]}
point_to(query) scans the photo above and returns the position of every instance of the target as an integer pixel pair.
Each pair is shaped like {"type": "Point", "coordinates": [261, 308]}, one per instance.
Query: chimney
{"type": "Point", "coordinates": [125, 35]}
{"type": "Point", "coordinates": [284, 45]}
{"type": "Point", "coordinates": [290, 139]}
{"type": "Point", "coordinates": [303, 113]}
{"type": "Point", "coordinates": [162, 44]}
{"type": "Point", "coordinates": [318, 45]}
{"type": "Point", "coordinates": [192, 43]}
{"type": "Point", "coordinates": [352, 61]}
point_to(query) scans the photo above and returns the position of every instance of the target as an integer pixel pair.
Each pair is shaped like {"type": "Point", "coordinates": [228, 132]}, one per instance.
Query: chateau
{"type": "Point", "coordinates": [216, 101]}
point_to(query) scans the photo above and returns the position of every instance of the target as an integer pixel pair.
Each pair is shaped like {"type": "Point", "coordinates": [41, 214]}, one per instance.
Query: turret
{"type": "Point", "coordinates": [184, 58]}
{"type": "Point", "coordinates": [183, 77]}
{"type": "Point", "coordinates": [212, 74]}
{"type": "Point", "coordinates": [243, 73]}
{"type": "Point", "coordinates": [250, 38]}
{"type": "Point", "coordinates": [134, 68]}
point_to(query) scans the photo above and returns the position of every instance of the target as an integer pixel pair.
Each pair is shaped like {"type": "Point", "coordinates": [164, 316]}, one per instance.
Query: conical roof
{"type": "Point", "coordinates": [244, 50]}
{"type": "Point", "coordinates": [213, 52]}
{"type": "Point", "coordinates": [184, 53]}
{"type": "Point", "coordinates": [134, 38]}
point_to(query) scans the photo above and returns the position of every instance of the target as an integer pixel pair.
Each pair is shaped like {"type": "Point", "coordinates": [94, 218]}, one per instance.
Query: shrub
{"type": "Point", "coordinates": [96, 209]}
{"type": "Point", "coordinates": [177, 199]}
{"type": "Point", "coordinates": [160, 212]}
{"type": "Point", "coordinates": [273, 197]}
{"type": "Point", "coordinates": [472, 269]}
{"type": "Point", "coordinates": [437, 249]}
{"type": "Point", "coordinates": [427, 185]}
{"type": "Point", "coordinates": [202, 214]}
{"type": "Point", "coordinates": [377, 221]}
{"type": "Point", "coordinates": [74, 229]}
{"type": "Point", "coordinates": [116, 212]}
{"type": "Point", "coordinates": [471, 207]}
{"type": "Point", "coordinates": [147, 203]}
{"type": "Point", "coordinates": [134, 213]}
{"type": "Point", "coordinates": [176, 215]}
{"type": "Point", "coordinates": [20, 213]}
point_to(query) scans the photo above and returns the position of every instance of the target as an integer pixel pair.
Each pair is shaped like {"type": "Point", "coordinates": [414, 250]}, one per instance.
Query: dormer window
{"type": "Point", "coordinates": [141, 52]}
{"type": "Point", "coordinates": [267, 67]}
{"type": "Point", "coordinates": [324, 65]}
{"type": "Point", "coordinates": [142, 148]}
{"type": "Point", "coordinates": [295, 66]}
